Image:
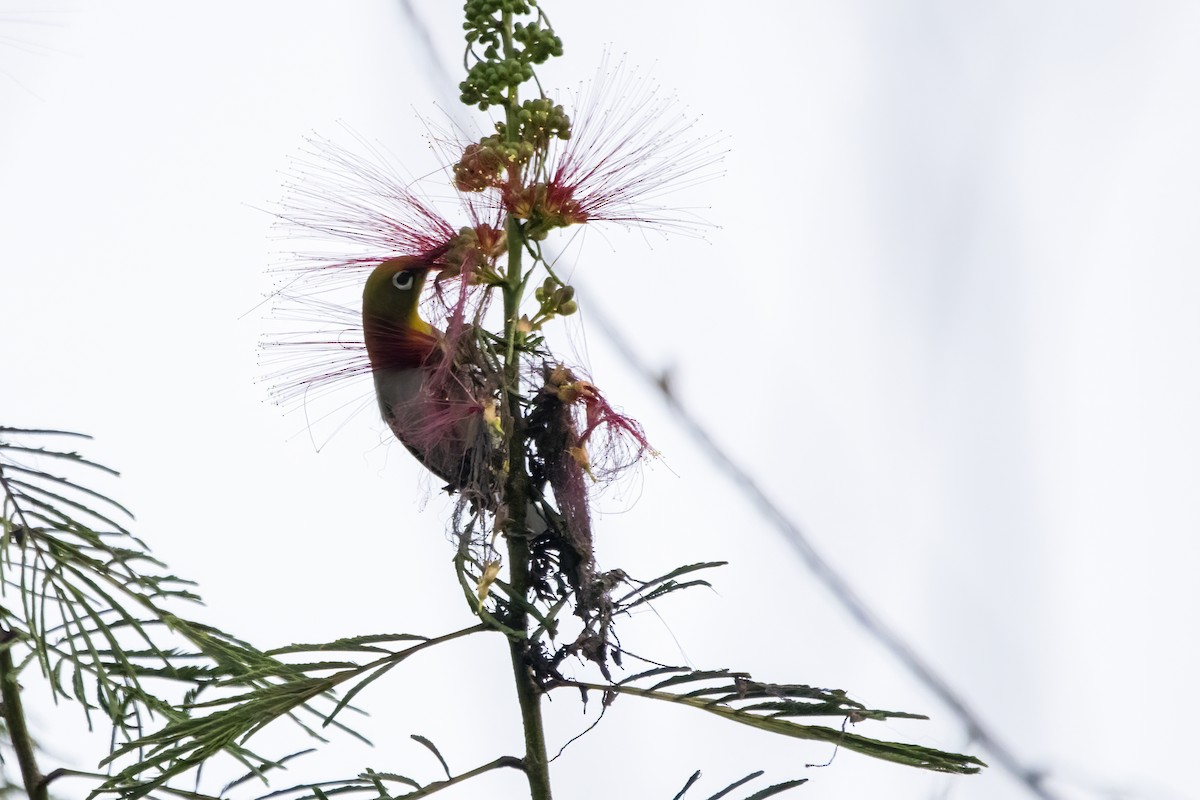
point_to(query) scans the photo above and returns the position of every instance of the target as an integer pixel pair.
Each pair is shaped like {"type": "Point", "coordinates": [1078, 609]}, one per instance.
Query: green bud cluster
{"type": "Point", "coordinates": [488, 82]}
{"type": "Point", "coordinates": [555, 299]}
{"type": "Point", "coordinates": [476, 9]}
{"type": "Point", "coordinates": [504, 65]}
{"type": "Point", "coordinates": [482, 164]}
{"type": "Point", "coordinates": [540, 43]}
{"type": "Point", "coordinates": [541, 120]}
{"type": "Point", "coordinates": [511, 152]}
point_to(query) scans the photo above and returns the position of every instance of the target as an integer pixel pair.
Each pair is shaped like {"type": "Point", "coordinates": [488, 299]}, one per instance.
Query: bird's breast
{"type": "Point", "coordinates": [442, 429]}
{"type": "Point", "coordinates": [399, 391]}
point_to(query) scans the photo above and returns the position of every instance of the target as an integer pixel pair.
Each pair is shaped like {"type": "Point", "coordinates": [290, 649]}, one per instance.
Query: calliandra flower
{"type": "Point", "coordinates": [360, 214]}
{"type": "Point", "coordinates": [631, 147]}
{"type": "Point", "coordinates": [334, 195]}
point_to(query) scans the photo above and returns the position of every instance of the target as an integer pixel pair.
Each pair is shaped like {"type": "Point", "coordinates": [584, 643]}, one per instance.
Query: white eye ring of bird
{"type": "Point", "coordinates": [403, 280]}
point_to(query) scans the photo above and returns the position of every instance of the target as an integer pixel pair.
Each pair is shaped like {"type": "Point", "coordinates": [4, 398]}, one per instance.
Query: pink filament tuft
{"type": "Point", "coordinates": [630, 147]}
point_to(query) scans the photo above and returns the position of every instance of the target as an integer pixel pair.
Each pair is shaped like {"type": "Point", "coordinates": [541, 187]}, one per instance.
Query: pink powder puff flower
{"type": "Point", "coordinates": [630, 147]}
{"type": "Point", "coordinates": [336, 195]}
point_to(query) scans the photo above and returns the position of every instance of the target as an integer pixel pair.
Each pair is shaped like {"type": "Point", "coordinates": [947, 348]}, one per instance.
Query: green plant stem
{"type": "Point", "coordinates": [517, 496]}
{"type": "Point", "coordinates": [14, 719]}
{"type": "Point", "coordinates": [529, 695]}
{"type": "Point", "coordinates": [529, 698]}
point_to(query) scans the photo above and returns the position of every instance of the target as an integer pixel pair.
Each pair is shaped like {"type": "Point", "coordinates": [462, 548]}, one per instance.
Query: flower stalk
{"type": "Point", "coordinates": [14, 720]}
{"type": "Point", "coordinates": [516, 491]}
{"type": "Point", "coordinates": [517, 500]}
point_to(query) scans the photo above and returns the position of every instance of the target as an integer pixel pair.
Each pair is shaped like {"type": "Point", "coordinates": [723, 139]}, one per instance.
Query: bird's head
{"type": "Point", "coordinates": [395, 335]}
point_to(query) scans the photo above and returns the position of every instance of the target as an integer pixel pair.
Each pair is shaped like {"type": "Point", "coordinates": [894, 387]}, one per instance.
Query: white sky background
{"type": "Point", "coordinates": [949, 320]}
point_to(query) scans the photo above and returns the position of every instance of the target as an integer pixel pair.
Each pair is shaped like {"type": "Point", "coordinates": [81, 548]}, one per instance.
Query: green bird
{"type": "Point", "coordinates": [434, 405]}
{"type": "Point", "coordinates": [439, 405]}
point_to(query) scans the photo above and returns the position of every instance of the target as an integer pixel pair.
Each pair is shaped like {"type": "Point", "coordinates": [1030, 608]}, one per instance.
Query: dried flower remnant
{"type": "Point", "coordinates": [581, 441]}
{"type": "Point", "coordinates": [566, 548]}
{"type": "Point", "coordinates": [608, 443]}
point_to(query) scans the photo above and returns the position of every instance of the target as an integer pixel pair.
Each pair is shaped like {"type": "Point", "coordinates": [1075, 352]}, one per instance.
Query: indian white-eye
{"type": "Point", "coordinates": [429, 409]}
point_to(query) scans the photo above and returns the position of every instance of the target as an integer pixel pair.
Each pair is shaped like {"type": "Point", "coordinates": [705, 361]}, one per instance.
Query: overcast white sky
{"type": "Point", "coordinates": [949, 320]}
